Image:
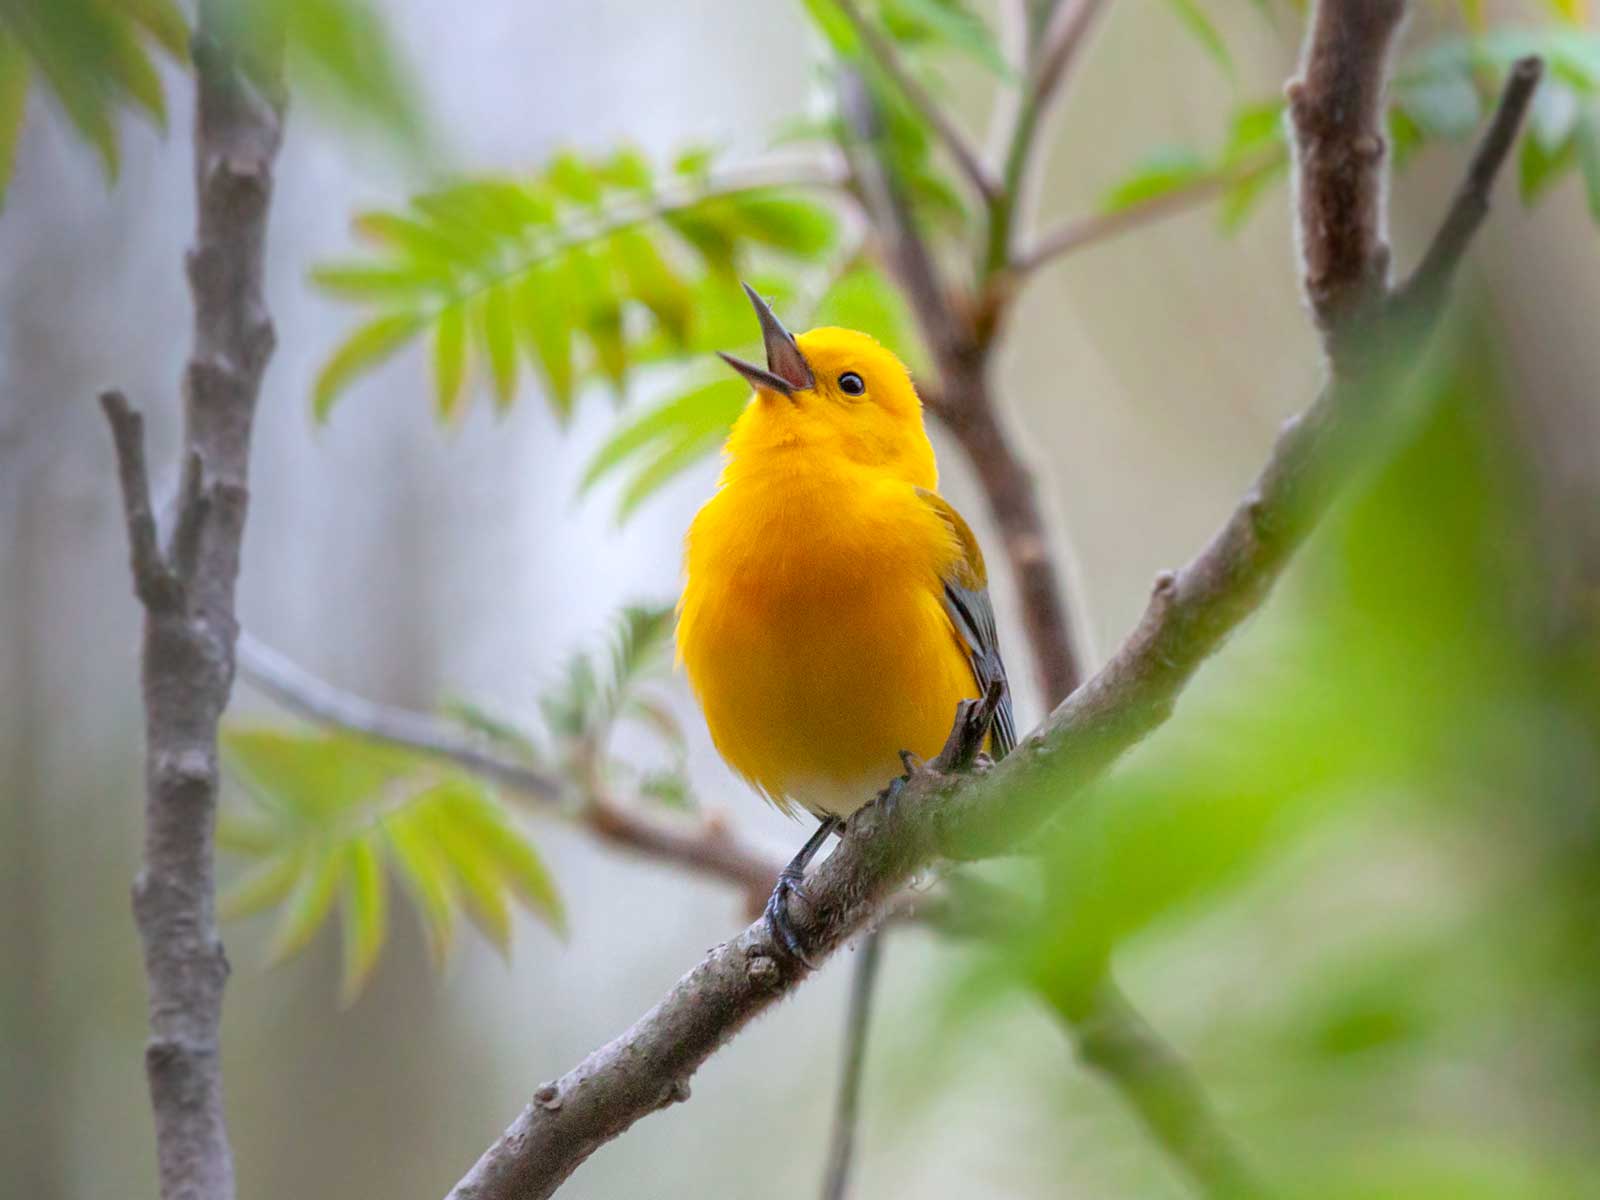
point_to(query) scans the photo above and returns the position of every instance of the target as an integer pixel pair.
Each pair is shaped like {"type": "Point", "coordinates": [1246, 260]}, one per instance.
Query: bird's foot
{"type": "Point", "coordinates": [780, 924]}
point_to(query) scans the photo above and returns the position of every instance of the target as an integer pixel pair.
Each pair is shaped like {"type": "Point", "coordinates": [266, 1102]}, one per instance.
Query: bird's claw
{"type": "Point", "coordinates": [780, 925]}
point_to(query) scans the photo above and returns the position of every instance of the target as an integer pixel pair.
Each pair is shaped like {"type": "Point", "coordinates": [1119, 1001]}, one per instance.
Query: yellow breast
{"type": "Point", "coordinates": [813, 631]}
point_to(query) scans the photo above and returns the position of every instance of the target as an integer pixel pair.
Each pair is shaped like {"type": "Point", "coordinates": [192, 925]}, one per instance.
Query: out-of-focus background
{"type": "Point", "coordinates": [407, 562]}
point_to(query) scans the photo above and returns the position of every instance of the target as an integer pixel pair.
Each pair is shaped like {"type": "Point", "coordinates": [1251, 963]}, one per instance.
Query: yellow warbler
{"type": "Point", "coordinates": [835, 608]}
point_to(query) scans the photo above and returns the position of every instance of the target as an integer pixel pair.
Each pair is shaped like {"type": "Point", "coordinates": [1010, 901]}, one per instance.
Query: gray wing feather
{"type": "Point", "coordinates": [974, 619]}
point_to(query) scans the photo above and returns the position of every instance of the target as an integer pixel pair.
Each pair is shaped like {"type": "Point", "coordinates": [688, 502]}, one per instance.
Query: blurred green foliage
{"type": "Point", "coordinates": [1420, 685]}
{"type": "Point", "coordinates": [589, 269]}
{"type": "Point", "coordinates": [94, 58]}
{"type": "Point", "coordinates": [326, 819]}
{"type": "Point", "coordinates": [600, 268]}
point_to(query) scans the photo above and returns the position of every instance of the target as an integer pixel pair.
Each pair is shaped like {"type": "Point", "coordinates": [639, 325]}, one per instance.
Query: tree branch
{"type": "Point", "coordinates": [1079, 232]}
{"type": "Point", "coordinates": [888, 59]}
{"type": "Point", "coordinates": [948, 813]}
{"type": "Point", "coordinates": [707, 847]}
{"type": "Point", "coordinates": [1431, 279]}
{"type": "Point", "coordinates": [1336, 110]}
{"type": "Point", "coordinates": [189, 625]}
{"type": "Point", "coordinates": [1063, 41]}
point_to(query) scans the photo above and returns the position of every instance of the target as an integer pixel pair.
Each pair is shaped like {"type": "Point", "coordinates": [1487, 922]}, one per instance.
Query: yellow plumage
{"type": "Point", "coordinates": [834, 610]}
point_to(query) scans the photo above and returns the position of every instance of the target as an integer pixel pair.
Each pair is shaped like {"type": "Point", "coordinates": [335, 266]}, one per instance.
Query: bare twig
{"type": "Point", "coordinates": [189, 626]}
{"type": "Point", "coordinates": [1063, 41]}
{"type": "Point", "coordinates": [153, 580]}
{"type": "Point", "coordinates": [945, 813]}
{"type": "Point", "coordinates": [957, 143]}
{"type": "Point", "coordinates": [1094, 228]}
{"type": "Point", "coordinates": [1471, 204]}
{"type": "Point", "coordinates": [707, 847]}
{"type": "Point", "coordinates": [297, 689]}
{"type": "Point", "coordinates": [842, 1144]}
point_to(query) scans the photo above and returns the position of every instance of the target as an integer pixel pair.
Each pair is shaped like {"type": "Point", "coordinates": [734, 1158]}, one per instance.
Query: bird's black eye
{"type": "Point", "coordinates": [850, 384]}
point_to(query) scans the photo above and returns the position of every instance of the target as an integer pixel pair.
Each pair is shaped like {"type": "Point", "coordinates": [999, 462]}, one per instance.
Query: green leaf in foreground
{"type": "Point", "coordinates": [330, 818]}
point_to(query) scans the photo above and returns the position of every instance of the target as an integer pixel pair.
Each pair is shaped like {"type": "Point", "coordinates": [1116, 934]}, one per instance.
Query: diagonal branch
{"type": "Point", "coordinates": [1094, 228]}
{"type": "Point", "coordinates": [887, 57]}
{"type": "Point", "coordinates": [945, 813]}
{"type": "Point", "coordinates": [706, 847]}
{"type": "Point", "coordinates": [1432, 277]}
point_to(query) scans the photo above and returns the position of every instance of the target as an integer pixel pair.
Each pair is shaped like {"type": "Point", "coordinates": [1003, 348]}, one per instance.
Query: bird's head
{"type": "Point", "coordinates": [833, 391]}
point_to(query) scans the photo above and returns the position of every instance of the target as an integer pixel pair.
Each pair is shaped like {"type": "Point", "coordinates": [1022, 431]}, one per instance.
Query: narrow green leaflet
{"type": "Point", "coordinates": [664, 440]}
{"type": "Point", "coordinates": [512, 856]}
{"type": "Point", "coordinates": [364, 909]}
{"type": "Point", "coordinates": [1166, 171]}
{"type": "Point", "coordinates": [497, 331]}
{"type": "Point", "coordinates": [945, 25]}
{"type": "Point", "coordinates": [370, 345]}
{"type": "Point", "coordinates": [263, 886]}
{"type": "Point", "coordinates": [426, 874]}
{"type": "Point", "coordinates": [449, 359]}
{"type": "Point", "coordinates": [309, 904]}
{"type": "Point", "coordinates": [1200, 26]}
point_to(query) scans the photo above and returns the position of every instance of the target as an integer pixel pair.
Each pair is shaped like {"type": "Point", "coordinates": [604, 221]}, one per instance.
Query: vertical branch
{"type": "Point", "coordinates": [189, 627]}
{"type": "Point", "coordinates": [1336, 109]}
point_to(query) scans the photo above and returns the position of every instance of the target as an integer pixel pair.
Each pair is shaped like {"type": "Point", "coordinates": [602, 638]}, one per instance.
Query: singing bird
{"type": "Point", "coordinates": [835, 608]}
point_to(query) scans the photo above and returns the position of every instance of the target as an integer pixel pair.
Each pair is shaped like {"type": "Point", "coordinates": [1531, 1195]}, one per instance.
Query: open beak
{"type": "Point", "coordinates": [787, 370]}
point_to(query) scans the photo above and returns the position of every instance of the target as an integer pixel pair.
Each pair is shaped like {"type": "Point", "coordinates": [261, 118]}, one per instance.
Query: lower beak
{"type": "Point", "coordinates": [787, 371]}
{"type": "Point", "coordinates": [761, 380]}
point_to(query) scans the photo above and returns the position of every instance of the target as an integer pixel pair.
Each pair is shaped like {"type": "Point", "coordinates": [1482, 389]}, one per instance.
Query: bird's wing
{"type": "Point", "coordinates": [966, 599]}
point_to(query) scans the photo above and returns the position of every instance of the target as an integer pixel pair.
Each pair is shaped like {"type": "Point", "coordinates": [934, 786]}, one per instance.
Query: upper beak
{"type": "Point", "coordinates": [787, 370]}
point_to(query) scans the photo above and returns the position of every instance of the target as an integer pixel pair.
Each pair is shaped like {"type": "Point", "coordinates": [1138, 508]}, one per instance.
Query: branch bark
{"type": "Point", "coordinates": [189, 627]}
{"type": "Point", "coordinates": [956, 814]}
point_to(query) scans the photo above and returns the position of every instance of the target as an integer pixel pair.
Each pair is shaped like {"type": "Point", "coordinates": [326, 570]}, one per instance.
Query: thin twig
{"type": "Point", "coordinates": [946, 813]}
{"type": "Point", "coordinates": [1094, 228]}
{"type": "Point", "coordinates": [707, 846]}
{"type": "Point", "coordinates": [1062, 44]}
{"type": "Point", "coordinates": [154, 581]}
{"type": "Point", "coordinates": [300, 691]}
{"type": "Point", "coordinates": [888, 59]}
{"type": "Point", "coordinates": [1471, 204]}
{"type": "Point", "coordinates": [841, 1146]}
